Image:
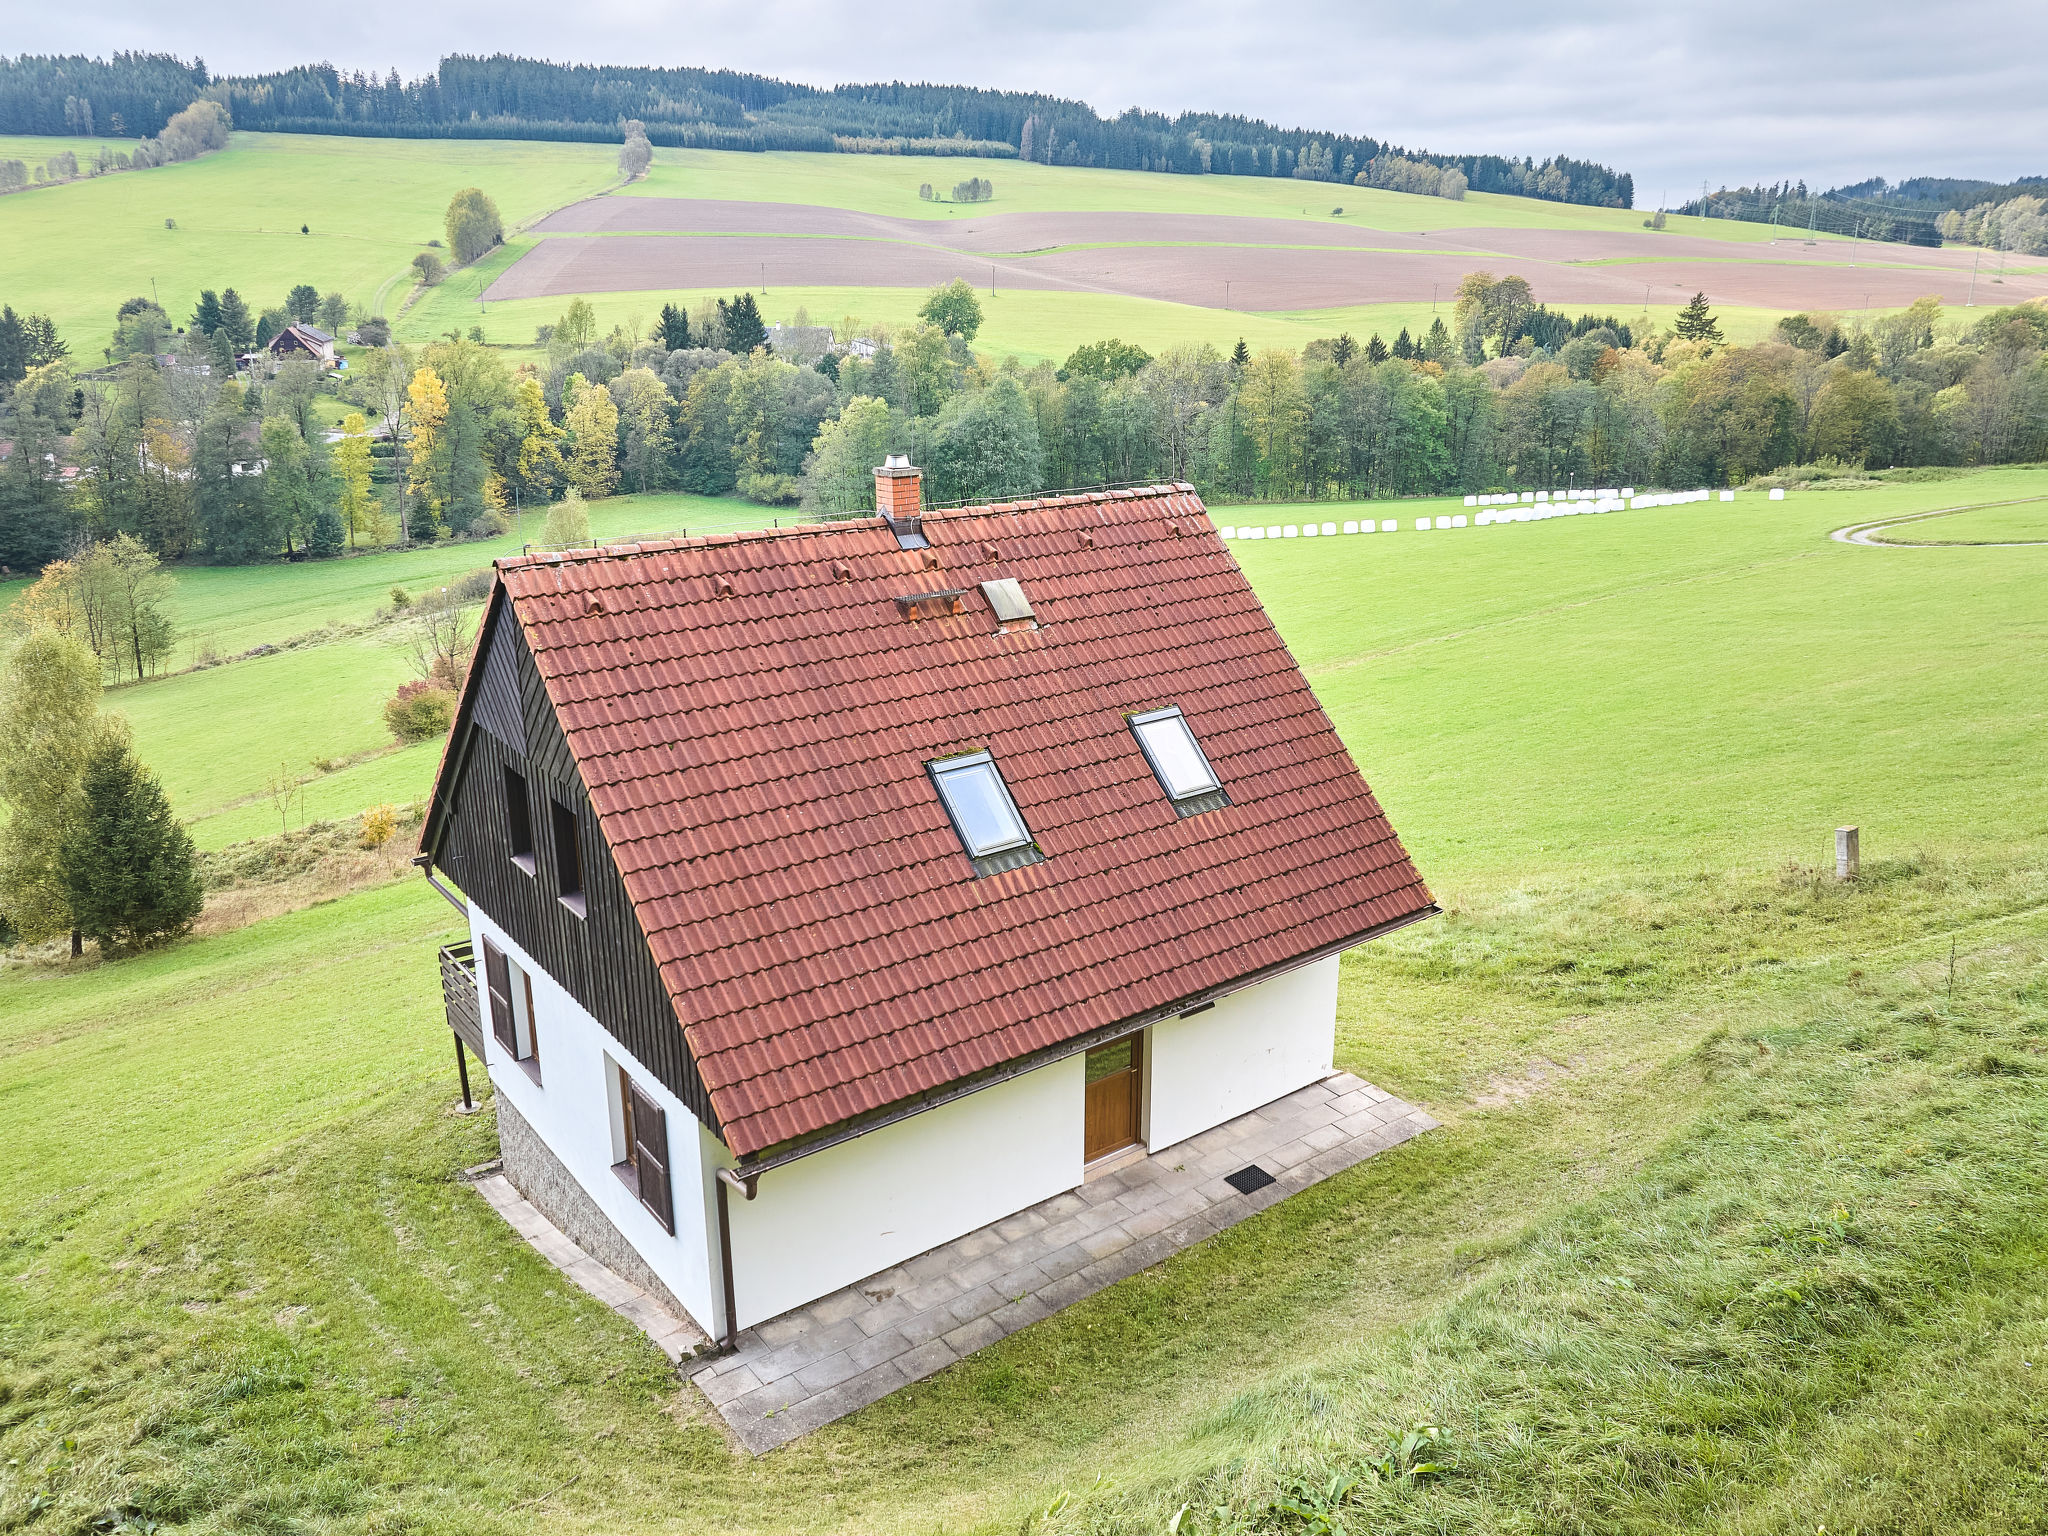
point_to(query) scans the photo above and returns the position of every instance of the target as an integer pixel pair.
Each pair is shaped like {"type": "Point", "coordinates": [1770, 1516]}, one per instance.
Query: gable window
{"type": "Point", "coordinates": [519, 819]}
{"type": "Point", "coordinates": [640, 1145]}
{"type": "Point", "coordinates": [568, 858]}
{"type": "Point", "coordinates": [1178, 762]}
{"type": "Point", "coordinates": [511, 991]}
{"type": "Point", "coordinates": [985, 818]}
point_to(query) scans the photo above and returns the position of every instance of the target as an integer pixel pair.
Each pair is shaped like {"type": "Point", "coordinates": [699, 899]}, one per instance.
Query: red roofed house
{"type": "Point", "coordinates": [841, 890]}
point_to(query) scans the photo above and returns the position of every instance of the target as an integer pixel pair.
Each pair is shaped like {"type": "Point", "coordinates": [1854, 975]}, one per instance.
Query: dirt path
{"type": "Point", "coordinates": [1867, 533]}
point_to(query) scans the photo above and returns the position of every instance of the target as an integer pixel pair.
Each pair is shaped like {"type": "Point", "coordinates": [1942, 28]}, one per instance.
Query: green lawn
{"type": "Point", "coordinates": [1983, 525]}
{"type": "Point", "coordinates": [77, 251]}
{"type": "Point", "coordinates": [1735, 1223]}
{"type": "Point", "coordinates": [888, 184]}
{"type": "Point", "coordinates": [33, 149]}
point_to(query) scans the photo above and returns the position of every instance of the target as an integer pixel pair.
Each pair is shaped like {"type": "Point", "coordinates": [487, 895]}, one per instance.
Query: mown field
{"type": "Point", "coordinates": [1736, 1222]}
{"type": "Point", "coordinates": [1981, 525]}
{"type": "Point", "coordinates": [75, 252]}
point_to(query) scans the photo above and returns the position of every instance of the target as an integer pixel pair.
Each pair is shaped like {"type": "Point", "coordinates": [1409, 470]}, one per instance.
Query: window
{"type": "Point", "coordinates": [989, 825]}
{"type": "Point", "coordinates": [519, 819]}
{"type": "Point", "coordinates": [568, 858]}
{"type": "Point", "coordinates": [640, 1145]}
{"type": "Point", "coordinates": [1178, 762]}
{"type": "Point", "coordinates": [511, 991]}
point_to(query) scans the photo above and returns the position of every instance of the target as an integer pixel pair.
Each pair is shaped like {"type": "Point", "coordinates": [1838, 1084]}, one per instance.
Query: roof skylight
{"type": "Point", "coordinates": [1177, 758]}
{"type": "Point", "coordinates": [987, 820]}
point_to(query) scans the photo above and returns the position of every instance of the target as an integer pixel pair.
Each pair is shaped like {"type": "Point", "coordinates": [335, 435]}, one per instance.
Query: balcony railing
{"type": "Point", "coordinates": [465, 1017]}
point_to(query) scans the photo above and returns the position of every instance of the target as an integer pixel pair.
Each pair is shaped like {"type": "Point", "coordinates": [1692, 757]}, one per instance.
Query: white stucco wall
{"type": "Point", "coordinates": [1250, 1049]}
{"type": "Point", "coordinates": [570, 1110]}
{"type": "Point", "coordinates": [846, 1213]}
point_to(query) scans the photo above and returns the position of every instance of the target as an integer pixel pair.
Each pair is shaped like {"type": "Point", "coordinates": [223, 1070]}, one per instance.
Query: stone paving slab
{"type": "Point", "coordinates": [798, 1372]}
{"type": "Point", "coordinates": [676, 1337]}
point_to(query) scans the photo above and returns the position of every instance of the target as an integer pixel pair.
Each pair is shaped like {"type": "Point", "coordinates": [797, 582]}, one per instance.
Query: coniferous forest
{"type": "Point", "coordinates": [505, 97]}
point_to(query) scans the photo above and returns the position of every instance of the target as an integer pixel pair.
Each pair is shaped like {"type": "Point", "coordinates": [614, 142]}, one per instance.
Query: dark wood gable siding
{"type": "Point", "coordinates": [601, 958]}
{"type": "Point", "coordinates": [498, 706]}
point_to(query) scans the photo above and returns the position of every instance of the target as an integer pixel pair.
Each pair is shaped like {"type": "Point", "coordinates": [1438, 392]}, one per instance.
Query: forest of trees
{"type": "Point", "coordinates": [1500, 392]}
{"type": "Point", "coordinates": [1791, 206]}
{"type": "Point", "coordinates": [504, 97]}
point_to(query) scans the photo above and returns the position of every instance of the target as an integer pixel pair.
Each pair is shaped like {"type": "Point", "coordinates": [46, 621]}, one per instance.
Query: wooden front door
{"type": "Point", "coordinates": [1113, 1087]}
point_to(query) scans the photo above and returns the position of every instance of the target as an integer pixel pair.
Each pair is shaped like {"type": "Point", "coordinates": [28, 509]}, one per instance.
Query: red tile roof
{"type": "Point", "coordinates": [753, 715]}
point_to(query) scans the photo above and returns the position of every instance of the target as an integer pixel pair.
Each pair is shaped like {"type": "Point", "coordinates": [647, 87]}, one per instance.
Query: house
{"type": "Point", "coordinates": [303, 340]}
{"type": "Point", "coordinates": [836, 891]}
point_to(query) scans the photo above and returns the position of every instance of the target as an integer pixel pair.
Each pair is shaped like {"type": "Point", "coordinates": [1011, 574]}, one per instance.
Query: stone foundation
{"type": "Point", "coordinates": [552, 1190]}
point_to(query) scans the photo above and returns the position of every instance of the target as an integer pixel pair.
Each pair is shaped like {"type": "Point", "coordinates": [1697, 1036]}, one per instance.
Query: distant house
{"type": "Point", "coordinates": [840, 890]}
{"type": "Point", "coordinates": [303, 340]}
{"type": "Point", "coordinates": [801, 344]}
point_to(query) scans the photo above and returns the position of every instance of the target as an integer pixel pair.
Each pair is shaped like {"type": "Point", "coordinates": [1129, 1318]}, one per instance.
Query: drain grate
{"type": "Point", "coordinates": [1245, 1180]}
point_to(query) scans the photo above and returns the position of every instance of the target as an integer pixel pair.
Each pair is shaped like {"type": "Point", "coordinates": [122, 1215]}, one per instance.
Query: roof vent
{"type": "Point", "coordinates": [723, 586]}
{"type": "Point", "coordinates": [931, 559]}
{"type": "Point", "coordinates": [988, 552]}
{"type": "Point", "coordinates": [1087, 541]}
{"type": "Point", "coordinates": [595, 604]}
{"type": "Point", "coordinates": [1007, 600]}
{"type": "Point", "coordinates": [929, 605]}
{"type": "Point", "coordinates": [842, 572]}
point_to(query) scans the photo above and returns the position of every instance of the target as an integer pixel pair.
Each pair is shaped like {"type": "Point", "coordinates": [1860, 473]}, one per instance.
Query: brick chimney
{"type": "Point", "coordinates": [899, 487]}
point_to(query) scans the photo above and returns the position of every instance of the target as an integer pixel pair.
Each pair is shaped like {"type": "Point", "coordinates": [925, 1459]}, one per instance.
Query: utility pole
{"type": "Point", "coordinates": [1975, 262]}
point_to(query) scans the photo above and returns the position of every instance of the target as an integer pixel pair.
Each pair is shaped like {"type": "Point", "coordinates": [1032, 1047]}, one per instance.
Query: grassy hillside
{"type": "Point", "coordinates": [75, 252]}
{"type": "Point", "coordinates": [1735, 1222]}
{"type": "Point", "coordinates": [888, 184]}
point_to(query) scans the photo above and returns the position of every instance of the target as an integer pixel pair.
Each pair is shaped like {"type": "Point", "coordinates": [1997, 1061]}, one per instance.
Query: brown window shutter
{"type": "Point", "coordinates": [650, 1148]}
{"type": "Point", "coordinates": [532, 1023]}
{"type": "Point", "coordinates": [498, 978]}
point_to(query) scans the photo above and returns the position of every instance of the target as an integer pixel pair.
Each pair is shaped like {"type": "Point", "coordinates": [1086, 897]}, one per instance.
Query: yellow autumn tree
{"type": "Point", "coordinates": [362, 514]}
{"type": "Point", "coordinates": [426, 413]}
{"type": "Point", "coordinates": [540, 467]}
{"type": "Point", "coordinates": [594, 429]}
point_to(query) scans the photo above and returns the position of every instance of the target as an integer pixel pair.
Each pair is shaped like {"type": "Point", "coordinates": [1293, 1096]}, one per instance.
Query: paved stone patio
{"type": "Point", "coordinates": [675, 1336]}
{"type": "Point", "coordinates": [806, 1368]}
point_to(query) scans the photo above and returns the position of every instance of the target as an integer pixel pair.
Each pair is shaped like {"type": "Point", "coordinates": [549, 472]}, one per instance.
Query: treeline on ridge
{"type": "Point", "coordinates": [505, 97]}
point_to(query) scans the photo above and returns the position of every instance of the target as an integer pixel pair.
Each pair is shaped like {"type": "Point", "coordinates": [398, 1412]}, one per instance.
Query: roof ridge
{"type": "Point", "coordinates": [584, 553]}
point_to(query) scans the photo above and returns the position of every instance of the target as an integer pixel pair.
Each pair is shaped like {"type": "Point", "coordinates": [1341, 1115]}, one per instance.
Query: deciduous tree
{"type": "Point", "coordinates": [593, 422]}
{"type": "Point", "coordinates": [954, 309]}
{"type": "Point", "coordinates": [473, 226]}
{"type": "Point", "coordinates": [49, 727]}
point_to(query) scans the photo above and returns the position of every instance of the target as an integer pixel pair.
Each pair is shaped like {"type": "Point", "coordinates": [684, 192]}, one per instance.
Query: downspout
{"type": "Point", "coordinates": [747, 1187]}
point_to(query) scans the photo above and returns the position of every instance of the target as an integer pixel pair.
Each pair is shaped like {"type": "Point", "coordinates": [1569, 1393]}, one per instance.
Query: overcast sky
{"type": "Point", "coordinates": [1742, 90]}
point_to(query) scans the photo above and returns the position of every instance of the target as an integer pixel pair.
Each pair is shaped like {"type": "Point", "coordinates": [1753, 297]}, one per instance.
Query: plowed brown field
{"type": "Point", "coordinates": [627, 244]}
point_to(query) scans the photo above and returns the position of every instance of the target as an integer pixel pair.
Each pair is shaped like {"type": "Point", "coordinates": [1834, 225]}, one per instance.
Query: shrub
{"type": "Point", "coordinates": [420, 711]}
{"type": "Point", "coordinates": [771, 490]}
{"type": "Point", "coordinates": [379, 822]}
{"type": "Point", "coordinates": [568, 521]}
{"type": "Point", "coordinates": [400, 598]}
{"type": "Point", "coordinates": [428, 268]}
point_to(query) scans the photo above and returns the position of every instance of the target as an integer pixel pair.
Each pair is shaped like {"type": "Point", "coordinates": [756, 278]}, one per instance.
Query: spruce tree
{"type": "Point", "coordinates": [1695, 323]}
{"type": "Point", "coordinates": [1375, 350]}
{"type": "Point", "coordinates": [1404, 347]}
{"type": "Point", "coordinates": [13, 347]}
{"type": "Point", "coordinates": [128, 866]}
{"type": "Point", "coordinates": [1240, 355]}
{"type": "Point", "coordinates": [303, 303]}
{"type": "Point", "coordinates": [741, 321]}
{"type": "Point", "coordinates": [674, 330]}
{"type": "Point", "coordinates": [206, 318]}
{"type": "Point", "coordinates": [1343, 349]}
{"type": "Point", "coordinates": [236, 321]}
